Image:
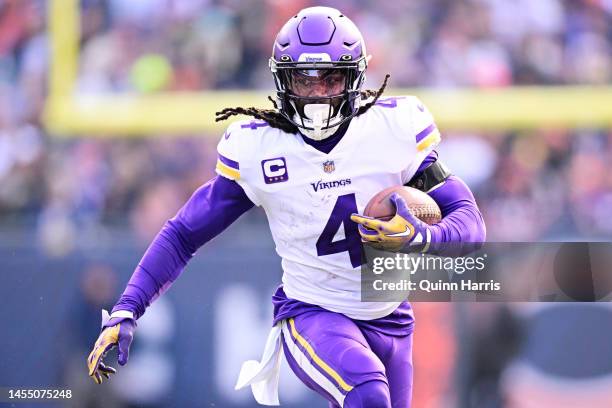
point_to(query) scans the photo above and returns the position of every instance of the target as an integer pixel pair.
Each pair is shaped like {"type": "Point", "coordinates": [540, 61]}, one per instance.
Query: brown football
{"type": "Point", "coordinates": [420, 204]}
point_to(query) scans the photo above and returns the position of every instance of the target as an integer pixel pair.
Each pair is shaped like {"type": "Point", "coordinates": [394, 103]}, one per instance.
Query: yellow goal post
{"type": "Point", "coordinates": [128, 114]}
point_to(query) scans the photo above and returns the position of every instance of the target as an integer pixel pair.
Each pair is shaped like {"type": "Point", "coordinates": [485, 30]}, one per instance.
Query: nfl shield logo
{"type": "Point", "coordinates": [329, 166]}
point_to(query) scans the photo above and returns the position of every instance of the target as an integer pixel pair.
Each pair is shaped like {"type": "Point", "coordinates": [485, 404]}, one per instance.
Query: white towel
{"type": "Point", "coordinates": [263, 376]}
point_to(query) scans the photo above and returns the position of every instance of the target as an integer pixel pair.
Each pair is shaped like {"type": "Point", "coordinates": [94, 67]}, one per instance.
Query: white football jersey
{"type": "Point", "coordinates": [308, 196]}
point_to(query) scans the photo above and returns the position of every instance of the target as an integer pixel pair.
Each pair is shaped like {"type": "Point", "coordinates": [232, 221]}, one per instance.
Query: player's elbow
{"type": "Point", "coordinates": [471, 229]}
{"type": "Point", "coordinates": [178, 237]}
{"type": "Point", "coordinates": [479, 231]}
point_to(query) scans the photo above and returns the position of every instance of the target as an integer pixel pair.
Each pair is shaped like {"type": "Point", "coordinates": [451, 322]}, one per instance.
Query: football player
{"type": "Point", "coordinates": [313, 162]}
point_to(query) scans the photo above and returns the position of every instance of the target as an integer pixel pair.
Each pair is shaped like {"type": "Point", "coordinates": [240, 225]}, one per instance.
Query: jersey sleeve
{"type": "Point", "coordinates": [233, 159]}
{"type": "Point", "coordinates": [424, 135]}
{"type": "Point", "coordinates": [228, 155]}
{"type": "Point", "coordinates": [427, 135]}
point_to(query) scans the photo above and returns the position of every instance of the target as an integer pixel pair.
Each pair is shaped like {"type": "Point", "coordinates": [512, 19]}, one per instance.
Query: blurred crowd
{"type": "Point", "coordinates": [544, 184]}
{"type": "Point", "coordinates": [149, 45]}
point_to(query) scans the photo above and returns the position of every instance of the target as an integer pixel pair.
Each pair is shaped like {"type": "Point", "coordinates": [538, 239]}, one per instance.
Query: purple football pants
{"type": "Point", "coordinates": [349, 363]}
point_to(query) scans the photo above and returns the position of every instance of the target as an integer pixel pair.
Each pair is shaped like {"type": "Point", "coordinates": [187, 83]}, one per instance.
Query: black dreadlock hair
{"type": "Point", "coordinates": [276, 120]}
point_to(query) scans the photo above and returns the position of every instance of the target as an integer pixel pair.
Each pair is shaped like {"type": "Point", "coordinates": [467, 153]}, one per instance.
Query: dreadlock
{"type": "Point", "coordinates": [370, 93]}
{"type": "Point", "coordinates": [272, 116]}
{"type": "Point", "coordinates": [276, 119]}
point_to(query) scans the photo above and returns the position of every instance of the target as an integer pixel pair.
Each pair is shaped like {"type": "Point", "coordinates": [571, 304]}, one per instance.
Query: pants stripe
{"type": "Point", "coordinates": [322, 364]}
{"type": "Point", "coordinates": [304, 362]}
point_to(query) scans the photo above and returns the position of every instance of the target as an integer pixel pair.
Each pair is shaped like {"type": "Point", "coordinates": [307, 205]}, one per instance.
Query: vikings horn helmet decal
{"type": "Point", "coordinates": [318, 63]}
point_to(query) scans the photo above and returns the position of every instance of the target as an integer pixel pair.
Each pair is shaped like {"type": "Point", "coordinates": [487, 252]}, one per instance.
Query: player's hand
{"type": "Point", "coordinates": [403, 232]}
{"type": "Point", "coordinates": [116, 331]}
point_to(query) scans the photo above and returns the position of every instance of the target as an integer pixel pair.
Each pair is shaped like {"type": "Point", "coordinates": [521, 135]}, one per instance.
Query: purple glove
{"type": "Point", "coordinates": [117, 330]}
{"type": "Point", "coordinates": [404, 232]}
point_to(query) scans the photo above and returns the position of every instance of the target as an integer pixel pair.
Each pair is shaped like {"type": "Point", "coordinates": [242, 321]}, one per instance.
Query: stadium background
{"type": "Point", "coordinates": [106, 127]}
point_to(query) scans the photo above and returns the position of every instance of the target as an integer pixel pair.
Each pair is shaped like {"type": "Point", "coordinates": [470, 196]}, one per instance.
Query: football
{"type": "Point", "coordinates": [420, 204]}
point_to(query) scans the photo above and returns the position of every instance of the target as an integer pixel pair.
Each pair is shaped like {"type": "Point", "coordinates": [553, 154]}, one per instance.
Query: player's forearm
{"type": "Point", "coordinates": [211, 209]}
{"type": "Point", "coordinates": [161, 264]}
{"type": "Point", "coordinates": [462, 221]}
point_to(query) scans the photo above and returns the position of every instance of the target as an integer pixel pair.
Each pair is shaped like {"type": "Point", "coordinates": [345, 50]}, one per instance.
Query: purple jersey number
{"type": "Point", "coordinates": [341, 215]}
{"type": "Point", "coordinates": [389, 102]}
{"type": "Point", "coordinates": [254, 125]}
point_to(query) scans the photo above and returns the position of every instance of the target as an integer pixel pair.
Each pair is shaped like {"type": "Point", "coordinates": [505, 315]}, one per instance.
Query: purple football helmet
{"type": "Point", "coordinates": [318, 63]}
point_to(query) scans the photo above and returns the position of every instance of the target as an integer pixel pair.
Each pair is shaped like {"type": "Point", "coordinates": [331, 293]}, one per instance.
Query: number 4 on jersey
{"type": "Point", "coordinates": [341, 216]}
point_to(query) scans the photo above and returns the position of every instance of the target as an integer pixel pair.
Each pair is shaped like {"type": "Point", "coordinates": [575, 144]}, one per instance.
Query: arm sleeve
{"type": "Point", "coordinates": [209, 211]}
{"type": "Point", "coordinates": [461, 217]}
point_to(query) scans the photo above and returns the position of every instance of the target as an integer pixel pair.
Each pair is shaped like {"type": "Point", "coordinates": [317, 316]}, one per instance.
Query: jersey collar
{"type": "Point", "coordinates": [326, 145]}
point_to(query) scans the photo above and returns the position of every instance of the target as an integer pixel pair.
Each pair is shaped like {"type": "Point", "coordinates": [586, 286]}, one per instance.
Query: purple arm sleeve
{"type": "Point", "coordinates": [461, 218]}
{"type": "Point", "coordinates": [211, 209]}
